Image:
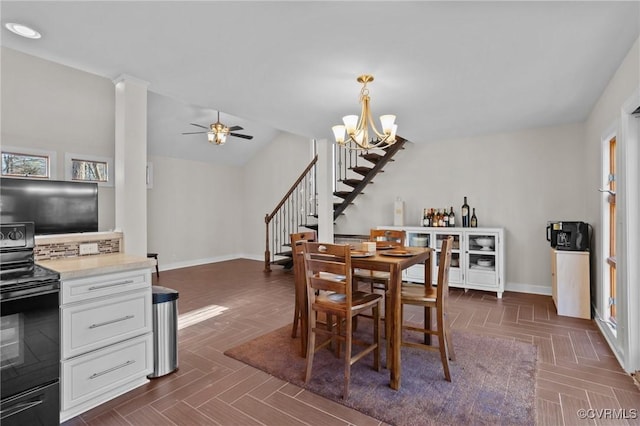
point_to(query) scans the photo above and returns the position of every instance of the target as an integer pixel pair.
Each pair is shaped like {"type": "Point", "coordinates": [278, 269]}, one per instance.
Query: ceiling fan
{"type": "Point", "coordinates": [217, 132]}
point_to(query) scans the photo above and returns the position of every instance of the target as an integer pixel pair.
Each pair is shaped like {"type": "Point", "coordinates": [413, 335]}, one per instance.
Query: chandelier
{"type": "Point", "coordinates": [357, 128]}
{"type": "Point", "coordinates": [218, 132]}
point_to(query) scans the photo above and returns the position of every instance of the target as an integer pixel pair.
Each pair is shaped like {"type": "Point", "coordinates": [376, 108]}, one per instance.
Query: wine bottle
{"type": "Point", "coordinates": [474, 219]}
{"type": "Point", "coordinates": [452, 218]}
{"type": "Point", "coordinates": [425, 217]}
{"type": "Point", "coordinates": [465, 214]}
{"type": "Point", "coordinates": [445, 217]}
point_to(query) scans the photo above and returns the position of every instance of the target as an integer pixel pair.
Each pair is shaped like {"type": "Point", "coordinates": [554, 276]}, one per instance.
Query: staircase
{"type": "Point", "coordinates": [354, 170]}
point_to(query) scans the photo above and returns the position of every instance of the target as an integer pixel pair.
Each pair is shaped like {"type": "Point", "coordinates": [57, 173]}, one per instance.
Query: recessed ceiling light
{"type": "Point", "coordinates": [22, 30]}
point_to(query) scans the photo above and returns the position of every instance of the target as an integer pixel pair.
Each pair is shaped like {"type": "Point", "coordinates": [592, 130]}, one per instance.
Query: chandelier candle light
{"type": "Point", "coordinates": [357, 128]}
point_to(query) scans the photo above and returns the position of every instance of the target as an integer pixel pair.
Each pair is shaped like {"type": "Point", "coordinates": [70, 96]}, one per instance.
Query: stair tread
{"type": "Point", "coordinates": [342, 194]}
{"type": "Point", "coordinates": [352, 182]}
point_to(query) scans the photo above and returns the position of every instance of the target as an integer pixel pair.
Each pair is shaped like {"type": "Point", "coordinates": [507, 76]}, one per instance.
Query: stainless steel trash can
{"type": "Point", "coordinates": [165, 331]}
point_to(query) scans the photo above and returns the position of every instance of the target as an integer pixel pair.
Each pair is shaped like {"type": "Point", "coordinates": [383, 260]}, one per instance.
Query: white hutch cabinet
{"type": "Point", "coordinates": [477, 256]}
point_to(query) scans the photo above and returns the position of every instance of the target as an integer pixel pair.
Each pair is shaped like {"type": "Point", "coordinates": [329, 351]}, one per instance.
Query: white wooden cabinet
{"type": "Point", "coordinates": [107, 344]}
{"type": "Point", "coordinates": [473, 266]}
{"type": "Point", "coordinates": [570, 283]}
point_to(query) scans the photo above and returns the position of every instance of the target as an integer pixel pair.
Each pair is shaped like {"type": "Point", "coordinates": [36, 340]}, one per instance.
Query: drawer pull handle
{"type": "Point", "coordinates": [111, 321]}
{"type": "Point", "coordinates": [100, 287]}
{"type": "Point", "coordinates": [117, 367]}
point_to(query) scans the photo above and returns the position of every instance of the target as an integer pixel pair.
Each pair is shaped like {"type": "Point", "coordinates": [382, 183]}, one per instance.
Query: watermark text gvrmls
{"type": "Point", "coordinates": [608, 413]}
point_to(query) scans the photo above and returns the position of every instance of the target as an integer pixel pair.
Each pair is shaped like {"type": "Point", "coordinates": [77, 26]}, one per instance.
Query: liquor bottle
{"type": "Point", "coordinates": [440, 218]}
{"type": "Point", "coordinates": [445, 217]}
{"type": "Point", "coordinates": [474, 219]}
{"type": "Point", "coordinates": [436, 219]}
{"type": "Point", "coordinates": [452, 218]}
{"type": "Point", "coordinates": [465, 214]}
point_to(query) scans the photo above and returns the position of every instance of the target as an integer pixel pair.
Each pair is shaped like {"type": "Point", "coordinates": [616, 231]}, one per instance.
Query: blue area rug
{"type": "Point", "coordinates": [493, 380]}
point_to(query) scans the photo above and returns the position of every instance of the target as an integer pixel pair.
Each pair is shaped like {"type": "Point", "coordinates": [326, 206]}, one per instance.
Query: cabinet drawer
{"type": "Point", "coordinates": [483, 278]}
{"type": "Point", "coordinates": [75, 290]}
{"type": "Point", "coordinates": [98, 323]}
{"type": "Point", "coordinates": [89, 376]}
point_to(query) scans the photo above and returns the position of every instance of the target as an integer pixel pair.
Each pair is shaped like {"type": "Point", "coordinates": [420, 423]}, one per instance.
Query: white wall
{"type": "Point", "coordinates": [192, 212]}
{"type": "Point", "coordinates": [517, 181]}
{"type": "Point", "coordinates": [266, 179]}
{"type": "Point", "coordinates": [52, 107]}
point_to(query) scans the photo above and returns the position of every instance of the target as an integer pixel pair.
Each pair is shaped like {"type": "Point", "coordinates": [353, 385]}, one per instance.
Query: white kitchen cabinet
{"type": "Point", "coordinates": [473, 266]}
{"type": "Point", "coordinates": [570, 283]}
{"type": "Point", "coordinates": [107, 344]}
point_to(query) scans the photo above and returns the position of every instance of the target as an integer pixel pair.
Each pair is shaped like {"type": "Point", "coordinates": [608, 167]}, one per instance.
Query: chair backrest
{"type": "Point", "coordinates": [297, 243]}
{"type": "Point", "coordinates": [328, 268]}
{"type": "Point", "coordinates": [444, 264]}
{"type": "Point", "coordinates": [394, 237]}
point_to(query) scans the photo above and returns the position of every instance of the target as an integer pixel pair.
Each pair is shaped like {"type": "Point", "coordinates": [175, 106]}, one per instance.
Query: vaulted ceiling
{"type": "Point", "coordinates": [446, 69]}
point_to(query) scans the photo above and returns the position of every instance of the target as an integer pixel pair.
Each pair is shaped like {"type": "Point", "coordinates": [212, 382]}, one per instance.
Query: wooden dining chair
{"type": "Point", "coordinates": [429, 298]}
{"type": "Point", "coordinates": [379, 280]}
{"type": "Point", "coordinates": [328, 271]}
{"type": "Point", "coordinates": [300, 312]}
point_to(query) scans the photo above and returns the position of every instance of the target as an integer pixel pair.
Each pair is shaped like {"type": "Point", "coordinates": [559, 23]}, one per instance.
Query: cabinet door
{"type": "Point", "coordinates": [457, 261]}
{"type": "Point", "coordinates": [482, 260]}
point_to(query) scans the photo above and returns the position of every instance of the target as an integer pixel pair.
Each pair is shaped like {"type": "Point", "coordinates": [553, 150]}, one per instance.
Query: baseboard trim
{"type": "Point", "coordinates": [528, 288]}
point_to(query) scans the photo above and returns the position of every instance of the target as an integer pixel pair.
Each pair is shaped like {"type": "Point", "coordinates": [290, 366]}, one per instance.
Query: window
{"type": "Point", "coordinates": [92, 171]}
{"type": "Point", "coordinates": [89, 168]}
{"type": "Point", "coordinates": [16, 164]}
{"type": "Point", "coordinates": [26, 162]}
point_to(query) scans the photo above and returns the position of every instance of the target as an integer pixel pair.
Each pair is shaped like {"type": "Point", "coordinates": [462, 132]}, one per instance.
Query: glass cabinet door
{"type": "Point", "coordinates": [455, 271]}
{"type": "Point", "coordinates": [482, 259]}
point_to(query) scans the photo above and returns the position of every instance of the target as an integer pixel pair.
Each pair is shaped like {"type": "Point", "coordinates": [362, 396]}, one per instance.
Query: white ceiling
{"type": "Point", "coordinates": [446, 69]}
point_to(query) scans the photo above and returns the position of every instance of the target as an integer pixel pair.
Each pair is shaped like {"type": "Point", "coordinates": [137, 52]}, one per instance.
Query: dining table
{"type": "Point", "coordinates": [395, 261]}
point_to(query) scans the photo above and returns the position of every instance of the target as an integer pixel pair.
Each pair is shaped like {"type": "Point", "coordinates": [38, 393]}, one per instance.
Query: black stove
{"type": "Point", "coordinates": [30, 331]}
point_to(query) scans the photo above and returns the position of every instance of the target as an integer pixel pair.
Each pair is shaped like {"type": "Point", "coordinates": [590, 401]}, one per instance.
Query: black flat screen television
{"type": "Point", "coordinates": [56, 207]}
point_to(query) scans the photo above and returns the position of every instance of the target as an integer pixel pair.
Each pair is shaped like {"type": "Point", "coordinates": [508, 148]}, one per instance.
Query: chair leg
{"type": "Point", "coordinates": [447, 337]}
{"type": "Point", "coordinates": [347, 356]}
{"type": "Point", "coordinates": [376, 336]}
{"type": "Point", "coordinates": [311, 346]}
{"type": "Point", "coordinates": [296, 318]}
{"type": "Point", "coordinates": [443, 350]}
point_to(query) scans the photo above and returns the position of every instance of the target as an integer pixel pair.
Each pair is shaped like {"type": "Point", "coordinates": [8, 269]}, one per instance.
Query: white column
{"type": "Point", "coordinates": [131, 163]}
{"type": "Point", "coordinates": [324, 178]}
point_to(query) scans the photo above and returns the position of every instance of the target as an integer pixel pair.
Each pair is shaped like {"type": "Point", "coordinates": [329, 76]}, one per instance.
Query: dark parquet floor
{"type": "Point", "coordinates": [226, 303]}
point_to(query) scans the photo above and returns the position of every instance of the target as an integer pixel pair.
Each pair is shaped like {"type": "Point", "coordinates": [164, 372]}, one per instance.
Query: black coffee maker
{"type": "Point", "coordinates": [568, 235]}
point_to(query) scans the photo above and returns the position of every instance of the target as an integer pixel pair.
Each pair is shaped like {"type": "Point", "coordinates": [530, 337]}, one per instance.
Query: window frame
{"type": "Point", "coordinates": [50, 156]}
{"type": "Point", "coordinates": [69, 159]}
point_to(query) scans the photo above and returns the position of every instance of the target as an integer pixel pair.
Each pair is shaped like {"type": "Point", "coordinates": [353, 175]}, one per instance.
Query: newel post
{"type": "Point", "coordinates": [267, 253]}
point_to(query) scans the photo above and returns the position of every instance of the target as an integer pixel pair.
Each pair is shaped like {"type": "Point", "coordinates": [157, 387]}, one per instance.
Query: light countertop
{"type": "Point", "coordinates": [82, 266]}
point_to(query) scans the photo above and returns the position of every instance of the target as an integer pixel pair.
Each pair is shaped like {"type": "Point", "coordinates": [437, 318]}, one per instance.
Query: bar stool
{"type": "Point", "coordinates": [154, 256]}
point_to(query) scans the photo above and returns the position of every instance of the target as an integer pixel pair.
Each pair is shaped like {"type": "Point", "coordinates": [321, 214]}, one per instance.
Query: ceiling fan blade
{"type": "Point", "coordinates": [238, 135]}
{"type": "Point", "coordinates": [234, 128]}
{"type": "Point", "coordinates": [199, 125]}
{"type": "Point", "coordinates": [193, 133]}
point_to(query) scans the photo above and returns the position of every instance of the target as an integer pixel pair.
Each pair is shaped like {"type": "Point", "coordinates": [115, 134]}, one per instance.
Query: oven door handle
{"type": "Point", "coordinates": [15, 409]}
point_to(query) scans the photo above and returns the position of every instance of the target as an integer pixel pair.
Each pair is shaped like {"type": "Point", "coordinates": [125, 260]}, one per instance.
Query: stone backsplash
{"type": "Point", "coordinates": [51, 250]}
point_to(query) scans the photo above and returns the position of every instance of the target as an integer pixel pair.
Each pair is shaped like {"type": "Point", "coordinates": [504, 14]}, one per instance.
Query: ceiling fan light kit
{"type": "Point", "coordinates": [217, 132]}
{"type": "Point", "coordinates": [354, 133]}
